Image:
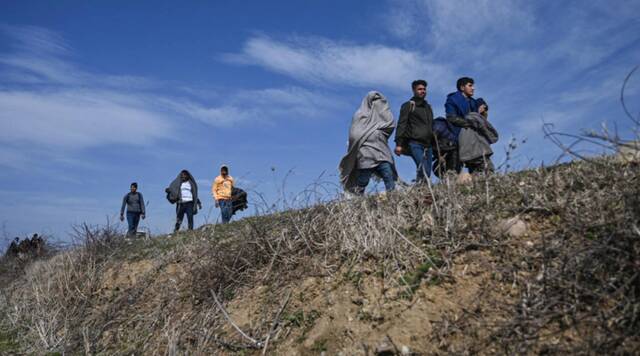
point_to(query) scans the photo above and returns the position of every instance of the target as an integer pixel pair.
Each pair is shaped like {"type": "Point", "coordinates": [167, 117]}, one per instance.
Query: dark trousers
{"type": "Point", "coordinates": [384, 170]}
{"type": "Point", "coordinates": [422, 157]}
{"type": "Point", "coordinates": [445, 161]}
{"type": "Point", "coordinates": [133, 219]}
{"type": "Point", "coordinates": [226, 210]}
{"type": "Point", "coordinates": [480, 165]}
{"type": "Point", "coordinates": [181, 209]}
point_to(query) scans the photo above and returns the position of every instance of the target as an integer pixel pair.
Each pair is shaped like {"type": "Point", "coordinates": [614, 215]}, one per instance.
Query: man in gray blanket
{"type": "Point", "coordinates": [368, 151]}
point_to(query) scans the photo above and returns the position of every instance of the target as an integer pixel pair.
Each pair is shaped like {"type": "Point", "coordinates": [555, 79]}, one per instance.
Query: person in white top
{"type": "Point", "coordinates": [184, 192]}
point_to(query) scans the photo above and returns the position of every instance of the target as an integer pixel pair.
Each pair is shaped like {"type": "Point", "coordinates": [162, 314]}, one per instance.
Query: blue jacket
{"type": "Point", "coordinates": [446, 138]}
{"type": "Point", "coordinates": [442, 129]}
{"type": "Point", "coordinates": [456, 108]}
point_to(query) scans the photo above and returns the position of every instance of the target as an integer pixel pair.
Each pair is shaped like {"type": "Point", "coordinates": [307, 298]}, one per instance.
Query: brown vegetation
{"type": "Point", "coordinates": [426, 270]}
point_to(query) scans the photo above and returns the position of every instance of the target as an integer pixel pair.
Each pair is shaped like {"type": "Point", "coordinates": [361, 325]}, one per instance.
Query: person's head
{"type": "Point", "coordinates": [419, 88]}
{"type": "Point", "coordinates": [184, 175]}
{"type": "Point", "coordinates": [134, 187]}
{"type": "Point", "coordinates": [465, 85]}
{"type": "Point", "coordinates": [224, 171]}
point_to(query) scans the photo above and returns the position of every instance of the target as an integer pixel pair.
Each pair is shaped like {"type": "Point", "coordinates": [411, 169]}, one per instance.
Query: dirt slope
{"type": "Point", "coordinates": [540, 261]}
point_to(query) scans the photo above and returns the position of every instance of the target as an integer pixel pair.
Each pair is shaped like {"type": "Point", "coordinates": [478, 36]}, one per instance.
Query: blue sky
{"type": "Point", "coordinates": [95, 95]}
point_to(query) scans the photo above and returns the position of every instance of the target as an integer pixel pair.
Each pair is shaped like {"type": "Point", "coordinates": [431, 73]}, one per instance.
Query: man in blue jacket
{"type": "Point", "coordinates": [458, 107]}
{"type": "Point", "coordinates": [461, 103]}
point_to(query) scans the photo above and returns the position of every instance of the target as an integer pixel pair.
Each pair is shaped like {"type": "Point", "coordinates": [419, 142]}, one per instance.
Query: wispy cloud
{"type": "Point", "coordinates": [48, 102]}
{"type": "Point", "coordinates": [324, 61]}
{"type": "Point", "coordinates": [264, 105]}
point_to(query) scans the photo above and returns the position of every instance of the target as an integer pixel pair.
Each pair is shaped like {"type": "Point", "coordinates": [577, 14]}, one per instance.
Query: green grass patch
{"type": "Point", "coordinates": [8, 343]}
{"type": "Point", "coordinates": [412, 279]}
{"type": "Point", "coordinates": [319, 346]}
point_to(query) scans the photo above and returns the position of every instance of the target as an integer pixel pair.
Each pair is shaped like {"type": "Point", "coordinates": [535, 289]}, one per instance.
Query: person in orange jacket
{"type": "Point", "coordinates": [222, 193]}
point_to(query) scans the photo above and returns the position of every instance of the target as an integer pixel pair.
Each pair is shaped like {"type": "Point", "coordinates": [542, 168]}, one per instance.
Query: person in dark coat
{"type": "Point", "coordinates": [183, 191]}
{"type": "Point", "coordinates": [415, 130]}
{"type": "Point", "coordinates": [135, 208]}
{"type": "Point", "coordinates": [13, 247]}
{"type": "Point", "coordinates": [445, 148]}
{"type": "Point", "coordinates": [460, 103]}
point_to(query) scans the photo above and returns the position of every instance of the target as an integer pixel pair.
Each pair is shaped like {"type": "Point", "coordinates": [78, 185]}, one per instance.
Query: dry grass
{"type": "Point", "coordinates": [576, 281]}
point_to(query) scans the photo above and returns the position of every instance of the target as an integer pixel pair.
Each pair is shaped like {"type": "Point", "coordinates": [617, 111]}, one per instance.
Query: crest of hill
{"type": "Point", "coordinates": [543, 260]}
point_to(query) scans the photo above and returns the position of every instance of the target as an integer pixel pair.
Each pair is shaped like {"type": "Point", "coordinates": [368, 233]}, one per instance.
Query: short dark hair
{"type": "Point", "coordinates": [415, 83]}
{"type": "Point", "coordinates": [224, 168]}
{"type": "Point", "coordinates": [463, 81]}
{"type": "Point", "coordinates": [134, 184]}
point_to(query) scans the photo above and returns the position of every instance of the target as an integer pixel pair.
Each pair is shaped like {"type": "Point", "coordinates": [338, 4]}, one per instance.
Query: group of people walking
{"type": "Point", "coordinates": [183, 192]}
{"type": "Point", "coordinates": [462, 139]}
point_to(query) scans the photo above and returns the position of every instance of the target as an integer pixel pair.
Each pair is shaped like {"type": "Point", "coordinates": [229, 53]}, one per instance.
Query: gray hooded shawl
{"type": "Point", "coordinates": [371, 127]}
{"type": "Point", "coordinates": [173, 192]}
{"type": "Point", "coordinates": [475, 142]}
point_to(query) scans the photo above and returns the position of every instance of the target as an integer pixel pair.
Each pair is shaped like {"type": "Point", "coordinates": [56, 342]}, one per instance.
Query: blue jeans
{"type": "Point", "coordinates": [133, 219]}
{"type": "Point", "coordinates": [384, 170]}
{"type": "Point", "coordinates": [422, 159]}
{"type": "Point", "coordinates": [226, 210]}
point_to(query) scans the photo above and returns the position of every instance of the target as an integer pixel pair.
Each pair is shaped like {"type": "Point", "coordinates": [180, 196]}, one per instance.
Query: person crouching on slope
{"type": "Point", "coordinates": [135, 208]}
{"type": "Point", "coordinates": [221, 190]}
{"type": "Point", "coordinates": [184, 192]}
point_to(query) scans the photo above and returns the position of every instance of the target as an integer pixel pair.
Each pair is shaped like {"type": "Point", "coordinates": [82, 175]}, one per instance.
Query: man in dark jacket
{"type": "Point", "coordinates": [414, 130]}
{"type": "Point", "coordinates": [135, 208]}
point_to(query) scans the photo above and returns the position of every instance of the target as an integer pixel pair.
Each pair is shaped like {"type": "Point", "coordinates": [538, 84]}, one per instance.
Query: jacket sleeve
{"type": "Point", "coordinates": [214, 188]}
{"type": "Point", "coordinates": [403, 123]}
{"type": "Point", "coordinates": [142, 204]}
{"type": "Point", "coordinates": [490, 132]}
{"type": "Point", "coordinates": [124, 202]}
{"type": "Point", "coordinates": [453, 115]}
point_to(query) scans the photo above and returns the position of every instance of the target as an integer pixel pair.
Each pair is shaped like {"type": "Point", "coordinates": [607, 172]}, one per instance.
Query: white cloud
{"type": "Point", "coordinates": [323, 61]}
{"type": "Point", "coordinates": [77, 119]}
{"type": "Point", "coordinates": [459, 25]}
{"type": "Point", "coordinates": [49, 103]}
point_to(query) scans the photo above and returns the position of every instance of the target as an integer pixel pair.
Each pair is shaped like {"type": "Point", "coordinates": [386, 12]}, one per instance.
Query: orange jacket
{"type": "Point", "coordinates": [222, 187]}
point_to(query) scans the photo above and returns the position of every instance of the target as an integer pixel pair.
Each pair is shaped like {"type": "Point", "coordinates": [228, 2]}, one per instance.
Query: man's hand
{"type": "Point", "coordinates": [142, 216]}
{"type": "Point", "coordinates": [398, 150]}
{"type": "Point", "coordinates": [121, 217]}
{"type": "Point", "coordinates": [217, 204]}
{"type": "Point", "coordinates": [199, 204]}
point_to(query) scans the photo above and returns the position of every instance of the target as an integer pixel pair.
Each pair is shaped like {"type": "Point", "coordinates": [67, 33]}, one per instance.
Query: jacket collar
{"type": "Point", "coordinates": [419, 101]}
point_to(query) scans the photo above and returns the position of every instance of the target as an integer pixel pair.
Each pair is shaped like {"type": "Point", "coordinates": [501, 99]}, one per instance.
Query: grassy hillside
{"type": "Point", "coordinates": [539, 261]}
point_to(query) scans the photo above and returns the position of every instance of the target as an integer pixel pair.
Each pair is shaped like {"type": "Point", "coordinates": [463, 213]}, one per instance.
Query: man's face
{"type": "Point", "coordinates": [420, 91]}
{"type": "Point", "coordinates": [468, 89]}
{"type": "Point", "coordinates": [184, 177]}
{"type": "Point", "coordinates": [224, 172]}
{"type": "Point", "coordinates": [133, 189]}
